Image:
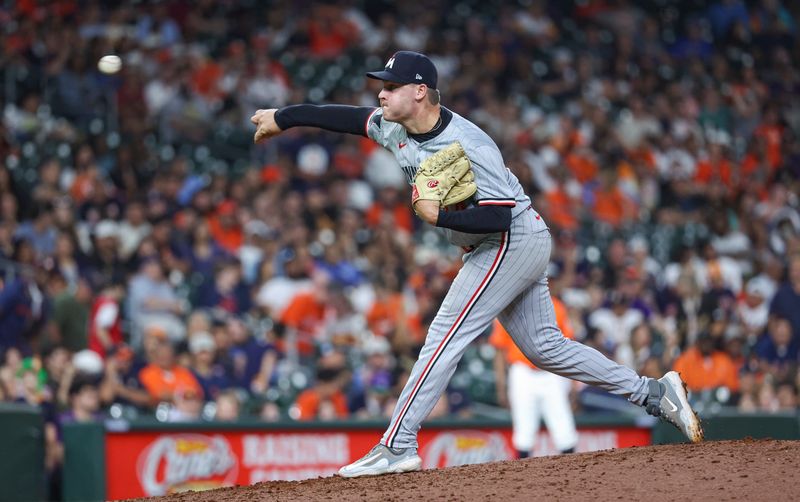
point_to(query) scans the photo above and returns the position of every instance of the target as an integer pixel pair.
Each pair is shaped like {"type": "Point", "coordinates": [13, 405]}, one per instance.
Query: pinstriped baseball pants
{"type": "Point", "coordinates": [505, 278]}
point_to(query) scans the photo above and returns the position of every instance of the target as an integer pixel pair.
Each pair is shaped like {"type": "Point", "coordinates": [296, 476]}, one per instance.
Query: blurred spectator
{"type": "Point", "coordinates": [162, 377]}
{"type": "Point", "coordinates": [640, 349]}
{"type": "Point", "coordinates": [266, 86]}
{"type": "Point", "coordinates": [251, 255]}
{"type": "Point", "coordinates": [747, 389]}
{"type": "Point", "coordinates": [40, 231]}
{"type": "Point", "coordinates": [203, 254]}
{"type": "Point", "coordinates": [392, 208]}
{"type": "Point", "coordinates": [280, 289]}
{"type": "Point", "coordinates": [85, 364]}
{"type": "Point", "coordinates": [703, 367]}
{"type": "Point", "coordinates": [324, 400]}
{"type": "Point", "coordinates": [84, 402]}
{"type": "Point", "coordinates": [187, 405]}
{"type": "Point", "coordinates": [107, 265]}
{"type": "Point", "coordinates": [133, 229]}
{"type": "Point", "coordinates": [306, 312]}
{"type": "Point", "coordinates": [228, 292]}
{"type": "Point", "coordinates": [156, 28]}
{"type": "Point", "coordinates": [343, 271]}
{"type": "Point", "coordinates": [753, 309]}
{"type": "Point", "coordinates": [225, 227]}
{"type": "Point", "coordinates": [29, 384]}
{"type": "Point", "coordinates": [105, 319]}
{"type": "Point", "coordinates": [71, 308]}
{"type": "Point", "coordinates": [198, 321]}
{"type": "Point", "coordinates": [211, 376]}
{"type": "Point", "coordinates": [617, 322]}
{"type": "Point", "coordinates": [262, 360]}
{"type": "Point", "coordinates": [609, 204]}
{"type": "Point", "coordinates": [778, 349]}
{"type": "Point", "coordinates": [787, 298]}
{"type": "Point", "coordinates": [12, 361]}
{"type": "Point", "coordinates": [121, 382]}
{"type": "Point", "coordinates": [66, 259]}
{"type": "Point", "coordinates": [371, 392]}
{"type": "Point", "coordinates": [270, 412]}
{"type": "Point", "coordinates": [153, 300]}
{"type": "Point", "coordinates": [227, 406]}
{"type": "Point", "coordinates": [393, 310]}
{"type": "Point", "coordinates": [787, 397]}
{"type": "Point", "coordinates": [21, 310]}
{"type": "Point", "coordinates": [766, 398]}
{"type": "Point", "coordinates": [56, 363]}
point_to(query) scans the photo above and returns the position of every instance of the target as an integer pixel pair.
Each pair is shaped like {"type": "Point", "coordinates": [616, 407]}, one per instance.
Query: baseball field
{"type": "Point", "coordinates": [715, 470]}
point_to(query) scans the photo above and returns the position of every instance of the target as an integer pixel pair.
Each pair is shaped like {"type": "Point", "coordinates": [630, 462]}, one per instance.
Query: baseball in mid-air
{"type": "Point", "coordinates": [109, 64]}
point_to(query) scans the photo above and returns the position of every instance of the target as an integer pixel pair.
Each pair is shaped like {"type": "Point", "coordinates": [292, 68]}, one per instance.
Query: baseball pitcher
{"type": "Point", "coordinates": [460, 184]}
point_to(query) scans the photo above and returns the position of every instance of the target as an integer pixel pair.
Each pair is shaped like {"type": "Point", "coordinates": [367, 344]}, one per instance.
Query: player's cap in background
{"type": "Point", "coordinates": [407, 67]}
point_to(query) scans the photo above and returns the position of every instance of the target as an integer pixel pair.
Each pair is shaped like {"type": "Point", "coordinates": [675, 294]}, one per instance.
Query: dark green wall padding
{"type": "Point", "coordinates": [22, 474]}
{"type": "Point", "coordinates": [84, 462]}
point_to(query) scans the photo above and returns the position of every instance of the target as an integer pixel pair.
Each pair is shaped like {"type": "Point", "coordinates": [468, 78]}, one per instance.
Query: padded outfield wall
{"type": "Point", "coordinates": [120, 459]}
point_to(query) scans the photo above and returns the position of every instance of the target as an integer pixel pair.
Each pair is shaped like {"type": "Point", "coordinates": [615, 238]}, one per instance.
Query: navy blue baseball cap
{"type": "Point", "coordinates": [407, 67]}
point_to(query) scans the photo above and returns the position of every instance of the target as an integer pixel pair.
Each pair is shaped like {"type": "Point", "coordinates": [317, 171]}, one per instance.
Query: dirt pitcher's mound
{"type": "Point", "coordinates": [715, 470]}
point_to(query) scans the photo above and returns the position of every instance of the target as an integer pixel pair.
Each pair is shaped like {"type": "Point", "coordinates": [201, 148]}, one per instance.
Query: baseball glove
{"type": "Point", "coordinates": [445, 176]}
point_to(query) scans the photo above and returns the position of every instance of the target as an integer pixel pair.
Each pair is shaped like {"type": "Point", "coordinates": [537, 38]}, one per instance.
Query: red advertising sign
{"type": "Point", "coordinates": [157, 463]}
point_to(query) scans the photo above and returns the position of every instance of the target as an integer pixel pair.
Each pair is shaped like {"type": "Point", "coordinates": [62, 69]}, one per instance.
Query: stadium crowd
{"type": "Point", "coordinates": [154, 261]}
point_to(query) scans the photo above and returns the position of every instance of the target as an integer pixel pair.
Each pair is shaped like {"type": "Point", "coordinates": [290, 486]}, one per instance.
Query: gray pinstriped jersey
{"type": "Point", "coordinates": [497, 185]}
{"type": "Point", "coordinates": [503, 277]}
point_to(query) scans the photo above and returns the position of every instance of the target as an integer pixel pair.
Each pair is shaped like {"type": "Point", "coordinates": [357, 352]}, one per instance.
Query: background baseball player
{"type": "Point", "coordinates": [507, 248]}
{"type": "Point", "coordinates": [533, 394]}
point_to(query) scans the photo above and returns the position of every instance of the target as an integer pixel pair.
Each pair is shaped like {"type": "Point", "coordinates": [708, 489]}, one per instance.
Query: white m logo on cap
{"type": "Point", "coordinates": [390, 63]}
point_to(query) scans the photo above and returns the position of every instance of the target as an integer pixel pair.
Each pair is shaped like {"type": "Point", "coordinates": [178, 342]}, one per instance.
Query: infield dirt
{"type": "Point", "coordinates": [714, 470]}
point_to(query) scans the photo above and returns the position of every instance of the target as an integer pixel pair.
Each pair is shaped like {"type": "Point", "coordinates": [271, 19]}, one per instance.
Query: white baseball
{"type": "Point", "coordinates": [110, 63]}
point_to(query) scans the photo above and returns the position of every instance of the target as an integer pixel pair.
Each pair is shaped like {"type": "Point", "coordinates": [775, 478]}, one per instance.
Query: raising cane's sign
{"type": "Point", "coordinates": [449, 449]}
{"type": "Point", "coordinates": [186, 462]}
{"type": "Point", "coordinates": [151, 463]}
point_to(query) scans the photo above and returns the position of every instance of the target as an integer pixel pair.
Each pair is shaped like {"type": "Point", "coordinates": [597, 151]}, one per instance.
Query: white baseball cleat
{"type": "Point", "coordinates": [667, 399]}
{"type": "Point", "coordinates": [383, 460]}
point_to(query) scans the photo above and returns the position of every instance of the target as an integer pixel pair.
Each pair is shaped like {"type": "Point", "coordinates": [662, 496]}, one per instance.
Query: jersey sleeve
{"type": "Point", "coordinates": [382, 131]}
{"type": "Point", "coordinates": [336, 118]}
{"type": "Point", "coordinates": [491, 176]}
